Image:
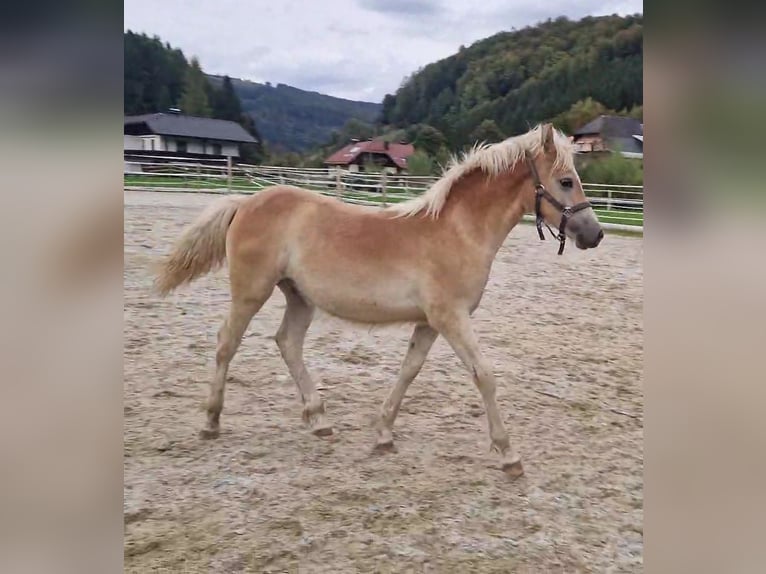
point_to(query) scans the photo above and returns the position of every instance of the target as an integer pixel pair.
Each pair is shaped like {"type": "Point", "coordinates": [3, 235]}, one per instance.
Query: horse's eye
{"type": "Point", "coordinates": [566, 183]}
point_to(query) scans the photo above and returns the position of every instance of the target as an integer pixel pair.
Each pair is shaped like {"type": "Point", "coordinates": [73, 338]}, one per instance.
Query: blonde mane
{"type": "Point", "coordinates": [492, 159]}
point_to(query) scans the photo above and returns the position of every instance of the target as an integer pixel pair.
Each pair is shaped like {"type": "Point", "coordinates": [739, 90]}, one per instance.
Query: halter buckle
{"type": "Point", "coordinates": [567, 212]}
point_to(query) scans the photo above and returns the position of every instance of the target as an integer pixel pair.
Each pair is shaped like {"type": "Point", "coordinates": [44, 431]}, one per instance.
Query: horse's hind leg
{"type": "Point", "coordinates": [229, 337]}
{"type": "Point", "coordinates": [290, 337]}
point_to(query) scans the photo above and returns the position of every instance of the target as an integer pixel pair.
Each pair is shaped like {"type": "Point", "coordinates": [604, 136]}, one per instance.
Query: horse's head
{"type": "Point", "coordinates": [559, 198]}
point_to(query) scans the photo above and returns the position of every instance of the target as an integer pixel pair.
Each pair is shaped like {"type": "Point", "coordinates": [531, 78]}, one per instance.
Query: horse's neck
{"type": "Point", "coordinates": [486, 208]}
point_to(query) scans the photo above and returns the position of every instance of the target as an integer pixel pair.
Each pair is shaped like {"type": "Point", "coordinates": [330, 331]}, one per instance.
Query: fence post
{"type": "Point", "coordinates": [608, 199]}
{"type": "Point", "coordinates": [228, 173]}
{"type": "Point", "coordinates": [383, 180]}
{"type": "Point", "coordinates": [338, 182]}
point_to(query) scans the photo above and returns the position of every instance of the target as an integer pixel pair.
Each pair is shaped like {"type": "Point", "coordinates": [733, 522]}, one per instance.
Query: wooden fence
{"type": "Point", "coordinates": [618, 206]}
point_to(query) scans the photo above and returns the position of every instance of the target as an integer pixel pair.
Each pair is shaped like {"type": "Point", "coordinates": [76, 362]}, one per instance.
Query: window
{"type": "Point", "coordinates": [216, 149]}
{"type": "Point", "coordinates": [181, 146]}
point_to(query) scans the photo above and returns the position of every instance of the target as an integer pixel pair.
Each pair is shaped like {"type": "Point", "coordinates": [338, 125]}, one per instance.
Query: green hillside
{"type": "Point", "coordinates": [158, 76]}
{"type": "Point", "coordinates": [563, 71]}
{"type": "Point", "coordinates": [503, 84]}
{"type": "Point", "coordinates": [295, 119]}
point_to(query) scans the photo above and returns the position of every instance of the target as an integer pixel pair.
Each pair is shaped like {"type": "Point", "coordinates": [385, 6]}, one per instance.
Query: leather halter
{"type": "Point", "coordinates": [566, 211]}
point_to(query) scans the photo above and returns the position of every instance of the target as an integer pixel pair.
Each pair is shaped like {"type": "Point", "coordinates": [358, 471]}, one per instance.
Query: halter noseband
{"type": "Point", "coordinates": [566, 211]}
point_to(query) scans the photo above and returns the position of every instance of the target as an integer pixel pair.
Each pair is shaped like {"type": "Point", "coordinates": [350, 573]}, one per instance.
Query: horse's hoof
{"type": "Point", "coordinates": [209, 434]}
{"type": "Point", "coordinates": [513, 469]}
{"type": "Point", "coordinates": [384, 447]}
{"type": "Point", "coordinates": [323, 431]}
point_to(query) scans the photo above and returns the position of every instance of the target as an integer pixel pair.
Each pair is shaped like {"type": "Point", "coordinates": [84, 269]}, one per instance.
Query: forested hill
{"type": "Point", "coordinates": [159, 76]}
{"type": "Point", "coordinates": [510, 80]}
{"type": "Point", "coordinates": [296, 119]}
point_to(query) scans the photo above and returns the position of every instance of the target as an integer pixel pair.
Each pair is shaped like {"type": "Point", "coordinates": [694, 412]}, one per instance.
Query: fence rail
{"type": "Point", "coordinates": [619, 207]}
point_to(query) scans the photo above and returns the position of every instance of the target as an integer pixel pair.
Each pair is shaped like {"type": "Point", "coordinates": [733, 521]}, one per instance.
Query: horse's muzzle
{"type": "Point", "coordinates": [589, 241]}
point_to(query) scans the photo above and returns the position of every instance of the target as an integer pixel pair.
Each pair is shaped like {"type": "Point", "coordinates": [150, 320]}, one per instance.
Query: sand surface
{"type": "Point", "coordinates": [565, 337]}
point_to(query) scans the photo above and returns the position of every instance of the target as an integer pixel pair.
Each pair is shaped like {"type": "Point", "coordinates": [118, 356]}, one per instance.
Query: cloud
{"type": "Point", "coordinates": [403, 8]}
{"type": "Point", "coordinates": [355, 50]}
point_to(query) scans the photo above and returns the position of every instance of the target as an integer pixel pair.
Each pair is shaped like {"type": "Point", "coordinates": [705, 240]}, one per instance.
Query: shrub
{"type": "Point", "coordinates": [420, 163]}
{"type": "Point", "coordinates": [613, 169]}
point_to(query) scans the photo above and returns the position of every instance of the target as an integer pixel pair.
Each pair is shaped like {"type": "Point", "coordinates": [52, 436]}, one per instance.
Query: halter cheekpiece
{"type": "Point", "coordinates": [566, 211]}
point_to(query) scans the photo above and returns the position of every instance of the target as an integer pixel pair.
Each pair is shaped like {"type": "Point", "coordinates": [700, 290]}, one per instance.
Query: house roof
{"type": "Point", "coordinates": [627, 134]}
{"type": "Point", "coordinates": [612, 126]}
{"type": "Point", "coordinates": [192, 127]}
{"type": "Point", "coordinates": [398, 152]}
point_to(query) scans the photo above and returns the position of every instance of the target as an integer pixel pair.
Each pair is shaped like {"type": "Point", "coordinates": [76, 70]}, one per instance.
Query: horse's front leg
{"type": "Point", "coordinates": [456, 327]}
{"type": "Point", "coordinates": [422, 339]}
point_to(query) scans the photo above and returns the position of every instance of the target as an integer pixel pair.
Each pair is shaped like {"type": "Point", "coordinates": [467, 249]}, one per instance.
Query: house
{"type": "Point", "coordinates": [391, 156]}
{"type": "Point", "coordinates": [176, 134]}
{"type": "Point", "coordinates": [611, 134]}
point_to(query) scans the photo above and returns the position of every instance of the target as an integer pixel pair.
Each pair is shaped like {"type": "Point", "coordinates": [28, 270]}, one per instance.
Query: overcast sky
{"type": "Point", "coordinates": [357, 49]}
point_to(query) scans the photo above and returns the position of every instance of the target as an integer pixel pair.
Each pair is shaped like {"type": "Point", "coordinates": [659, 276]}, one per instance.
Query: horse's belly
{"type": "Point", "coordinates": [367, 312]}
{"type": "Point", "coordinates": [364, 303]}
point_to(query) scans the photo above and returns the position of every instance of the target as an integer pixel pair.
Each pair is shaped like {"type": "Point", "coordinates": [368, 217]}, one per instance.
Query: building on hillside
{"type": "Point", "coordinates": [177, 135]}
{"type": "Point", "coordinates": [391, 156]}
{"type": "Point", "coordinates": [608, 134]}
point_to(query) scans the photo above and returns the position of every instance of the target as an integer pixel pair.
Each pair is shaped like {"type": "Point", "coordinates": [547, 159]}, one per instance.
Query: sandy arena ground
{"type": "Point", "coordinates": [565, 337]}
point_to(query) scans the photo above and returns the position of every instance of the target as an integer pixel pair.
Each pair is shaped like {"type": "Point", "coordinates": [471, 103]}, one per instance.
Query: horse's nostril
{"type": "Point", "coordinates": [600, 236]}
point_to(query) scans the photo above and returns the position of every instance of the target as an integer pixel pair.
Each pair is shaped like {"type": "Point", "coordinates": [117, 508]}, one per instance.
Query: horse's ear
{"type": "Point", "coordinates": [547, 137]}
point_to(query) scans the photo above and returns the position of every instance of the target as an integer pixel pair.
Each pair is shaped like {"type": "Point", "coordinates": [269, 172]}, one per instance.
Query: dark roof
{"type": "Point", "coordinates": [398, 152]}
{"type": "Point", "coordinates": [192, 127]}
{"type": "Point", "coordinates": [616, 131]}
{"type": "Point", "coordinates": [612, 127]}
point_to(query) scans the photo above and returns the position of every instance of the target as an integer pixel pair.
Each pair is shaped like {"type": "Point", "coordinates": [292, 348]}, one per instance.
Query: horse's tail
{"type": "Point", "coordinates": [201, 247]}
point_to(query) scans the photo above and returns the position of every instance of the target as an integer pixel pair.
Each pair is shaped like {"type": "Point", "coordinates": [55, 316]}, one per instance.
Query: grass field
{"type": "Point", "coordinates": [620, 216]}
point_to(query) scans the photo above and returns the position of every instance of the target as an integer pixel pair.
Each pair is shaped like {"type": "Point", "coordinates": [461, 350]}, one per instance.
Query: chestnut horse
{"type": "Point", "coordinates": [425, 261]}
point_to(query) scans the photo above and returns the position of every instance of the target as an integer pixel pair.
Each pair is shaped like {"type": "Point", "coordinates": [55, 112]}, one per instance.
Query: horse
{"type": "Point", "coordinates": [425, 261]}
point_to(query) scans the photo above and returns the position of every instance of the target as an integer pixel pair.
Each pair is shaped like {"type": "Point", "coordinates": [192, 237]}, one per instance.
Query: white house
{"type": "Point", "coordinates": [184, 135]}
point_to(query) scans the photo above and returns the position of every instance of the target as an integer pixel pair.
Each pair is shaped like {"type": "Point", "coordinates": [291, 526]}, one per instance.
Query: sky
{"type": "Point", "coordinates": [355, 49]}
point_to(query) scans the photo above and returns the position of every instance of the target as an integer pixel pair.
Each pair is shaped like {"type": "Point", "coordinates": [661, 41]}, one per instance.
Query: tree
{"type": "Point", "coordinates": [154, 74]}
{"type": "Point", "coordinates": [580, 114]}
{"type": "Point", "coordinates": [428, 139]}
{"type": "Point", "coordinates": [287, 159]}
{"type": "Point", "coordinates": [163, 99]}
{"type": "Point", "coordinates": [356, 129]}
{"type": "Point", "coordinates": [226, 104]}
{"type": "Point", "coordinates": [527, 76]}
{"type": "Point", "coordinates": [420, 163]}
{"type": "Point", "coordinates": [194, 101]}
{"type": "Point", "coordinates": [387, 110]}
{"type": "Point", "coordinates": [252, 153]}
{"type": "Point", "coordinates": [487, 131]}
